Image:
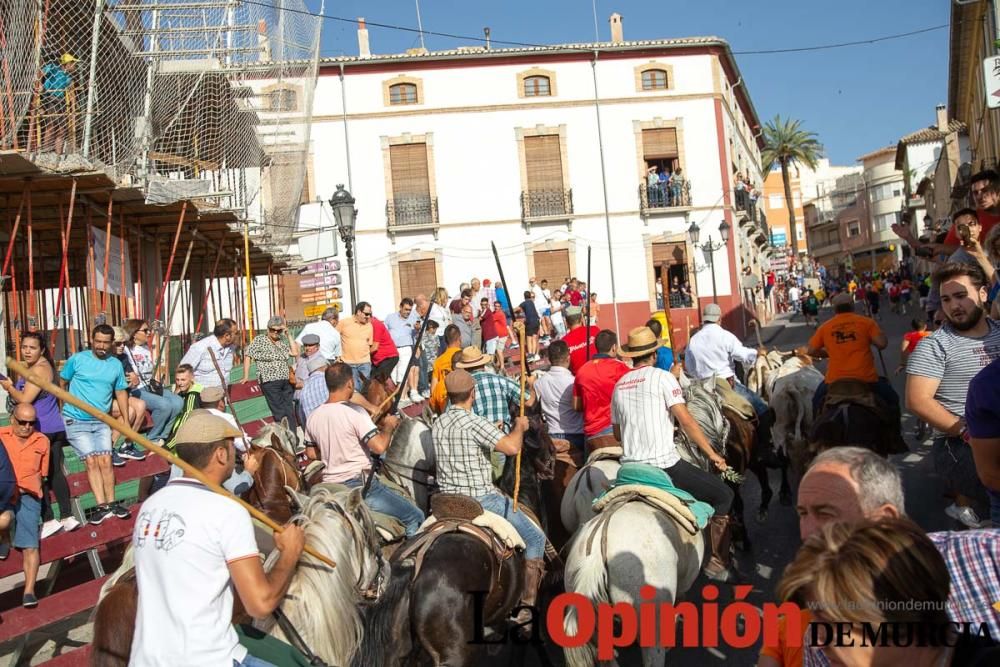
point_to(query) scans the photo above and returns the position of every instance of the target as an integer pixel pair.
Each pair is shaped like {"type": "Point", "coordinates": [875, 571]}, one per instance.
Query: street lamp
{"type": "Point", "coordinates": [345, 214]}
{"type": "Point", "coordinates": [709, 248]}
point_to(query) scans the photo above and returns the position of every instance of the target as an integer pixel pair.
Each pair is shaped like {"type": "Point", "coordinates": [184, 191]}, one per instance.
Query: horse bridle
{"type": "Point", "coordinates": [371, 593]}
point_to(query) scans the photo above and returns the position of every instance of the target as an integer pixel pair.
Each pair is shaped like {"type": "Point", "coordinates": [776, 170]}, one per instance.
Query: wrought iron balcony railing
{"type": "Point", "coordinates": [664, 195]}
{"type": "Point", "coordinates": [546, 203]}
{"type": "Point", "coordinates": [411, 212]}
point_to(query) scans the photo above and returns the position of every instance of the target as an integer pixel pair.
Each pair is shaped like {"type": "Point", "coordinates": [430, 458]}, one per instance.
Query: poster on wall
{"type": "Point", "coordinates": [112, 283]}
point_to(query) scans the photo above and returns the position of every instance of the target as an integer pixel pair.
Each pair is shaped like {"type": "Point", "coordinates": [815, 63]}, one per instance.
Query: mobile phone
{"type": "Point", "coordinates": [964, 234]}
{"type": "Point", "coordinates": [3, 378]}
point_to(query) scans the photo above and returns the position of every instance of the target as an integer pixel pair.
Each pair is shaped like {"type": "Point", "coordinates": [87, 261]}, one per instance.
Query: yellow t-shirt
{"type": "Point", "coordinates": [355, 341]}
{"type": "Point", "coordinates": [442, 366]}
{"type": "Point", "coordinates": [847, 338]}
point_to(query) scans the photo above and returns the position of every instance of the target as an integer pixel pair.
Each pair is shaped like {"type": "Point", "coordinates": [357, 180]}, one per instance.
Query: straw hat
{"type": "Point", "coordinates": [641, 341]}
{"type": "Point", "coordinates": [471, 357]}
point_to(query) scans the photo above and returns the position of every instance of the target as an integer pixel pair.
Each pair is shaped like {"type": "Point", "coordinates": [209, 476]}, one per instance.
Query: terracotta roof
{"type": "Point", "coordinates": [928, 134]}
{"type": "Point", "coordinates": [875, 153]}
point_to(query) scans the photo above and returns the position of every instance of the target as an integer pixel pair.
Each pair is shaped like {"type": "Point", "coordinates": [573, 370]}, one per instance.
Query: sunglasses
{"type": "Point", "coordinates": [30, 422]}
{"type": "Point", "coordinates": [367, 314]}
{"type": "Point", "coordinates": [275, 330]}
{"type": "Point", "coordinates": [143, 330]}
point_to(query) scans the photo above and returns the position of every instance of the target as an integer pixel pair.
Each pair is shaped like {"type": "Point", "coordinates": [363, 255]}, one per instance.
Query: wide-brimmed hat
{"type": "Point", "coordinates": [641, 341]}
{"type": "Point", "coordinates": [472, 357]}
{"type": "Point", "coordinates": [712, 313]}
{"type": "Point", "coordinates": [202, 427]}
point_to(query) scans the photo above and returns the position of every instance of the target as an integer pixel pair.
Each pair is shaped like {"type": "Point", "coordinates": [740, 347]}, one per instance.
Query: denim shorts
{"type": "Point", "coordinates": [27, 514]}
{"type": "Point", "coordinates": [88, 438]}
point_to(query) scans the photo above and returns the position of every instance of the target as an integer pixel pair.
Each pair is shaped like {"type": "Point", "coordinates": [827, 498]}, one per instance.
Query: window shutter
{"type": "Point", "coordinates": [552, 265]}
{"type": "Point", "coordinates": [543, 159]}
{"type": "Point", "coordinates": [659, 143]}
{"type": "Point", "coordinates": [408, 163]}
{"type": "Point", "coordinates": [418, 276]}
{"type": "Point", "coordinates": [669, 253]}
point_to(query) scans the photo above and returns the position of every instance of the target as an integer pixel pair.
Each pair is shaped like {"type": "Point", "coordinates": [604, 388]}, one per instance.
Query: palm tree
{"type": "Point", "coordinates": [788, 144]}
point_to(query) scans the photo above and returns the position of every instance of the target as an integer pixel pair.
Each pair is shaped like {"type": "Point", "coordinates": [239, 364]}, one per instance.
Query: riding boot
{"type": "Point", "coordinates": [720, 566]}
{"type": "Point", "coordinates": [534, 571]}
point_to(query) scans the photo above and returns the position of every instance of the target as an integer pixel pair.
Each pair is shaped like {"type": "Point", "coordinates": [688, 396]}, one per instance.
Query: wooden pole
{"type": "Point", "coordinates": [13, 232]}
{"type": "Point", "coordinates": [246, 261]}
{"type": "Point", "coordinates": [170, 263]}
{"type": "Point", "coordinates": [32, 305]}
{"type": "Point", "coordinates": [126, 430]}
{"type": "Point", "coordinates": [586, 322]}
{"type": "Point", "coordinates": [107, 253]}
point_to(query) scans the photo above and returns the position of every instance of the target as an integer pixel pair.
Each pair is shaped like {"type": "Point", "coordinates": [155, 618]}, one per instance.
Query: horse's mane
{"type": "Point", "coordinates": [321, 604]}
{"type": "Point", "coordinates": [285, 436]}
{"type": "Point", "coordinates": [704, 407]}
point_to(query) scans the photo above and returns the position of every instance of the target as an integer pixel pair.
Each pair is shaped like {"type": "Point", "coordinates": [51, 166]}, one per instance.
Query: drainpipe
{"type": "Point", "coordinates": [607, 215]}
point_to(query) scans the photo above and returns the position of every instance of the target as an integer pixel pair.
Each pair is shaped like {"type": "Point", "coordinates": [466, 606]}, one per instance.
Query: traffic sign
{"type": "Point", "coordinates": [991, 77]}
{"type": "Point", "coordinates": [317, 309]}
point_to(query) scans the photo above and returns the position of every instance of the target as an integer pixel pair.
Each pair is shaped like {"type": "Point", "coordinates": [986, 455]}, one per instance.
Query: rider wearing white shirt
{"type": "Point", "coordinates": [192, 548]}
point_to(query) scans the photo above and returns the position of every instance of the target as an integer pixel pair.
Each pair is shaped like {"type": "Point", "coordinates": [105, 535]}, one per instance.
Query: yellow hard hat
{"type": "Point", "coordinates": [67, 58]}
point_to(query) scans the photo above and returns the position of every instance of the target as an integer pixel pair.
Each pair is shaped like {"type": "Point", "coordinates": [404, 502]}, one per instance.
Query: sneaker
{"type": "Point", "coordinates": [4, 550]}
{"type": "Point", "coordinates": [50, 528]}
{"type": "Point", "coordinates": [29, 601]}
{"type": "Point", "coordinates": [426, 394]}
{"type": "Point", "coordinates": [131, 452]}
{"type": "Point", "coordinates": [116, 460]}
{"type": "Point", "coordinates": [965, 515]}
{"type": "Point", "coordinates": [69, 524]}
{"type": "Point", "coordinates": [100, 513]}
{"type": "Point", "coordinates": [120, 511]}
{"type": "Point", "coordinates": [415, 396]}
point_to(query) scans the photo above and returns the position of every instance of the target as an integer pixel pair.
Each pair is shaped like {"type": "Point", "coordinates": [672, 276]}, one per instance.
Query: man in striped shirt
{"type": "Point", "coordinates": [644, 401]}
{"type": "Point", "coordinates": [937, 384]}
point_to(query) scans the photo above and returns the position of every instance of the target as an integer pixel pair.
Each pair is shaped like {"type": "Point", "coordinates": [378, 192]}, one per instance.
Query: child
{"type": "Point", "coordinates": [531, 324]}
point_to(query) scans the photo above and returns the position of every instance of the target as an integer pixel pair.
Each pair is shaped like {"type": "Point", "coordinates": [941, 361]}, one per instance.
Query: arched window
{"type": "Point", "coordinates": [403, 93]}
{"type": "Point", "coordinates": [537, 86]}
{"type": "Point", "coordinates": [654, 79]}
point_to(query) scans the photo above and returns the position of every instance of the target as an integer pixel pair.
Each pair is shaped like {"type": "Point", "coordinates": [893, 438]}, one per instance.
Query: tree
{"type": "Point", "coordinates": [788, 144]}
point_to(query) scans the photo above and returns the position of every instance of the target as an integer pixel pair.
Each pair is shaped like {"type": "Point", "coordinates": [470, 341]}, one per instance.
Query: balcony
{"type": "Point", "coordinates": [538, 206]}
{"type": "Point", "coordinates": [663, 198]}
{"type": "Point", "coordinates": [413, 213]}
{"type": "Point", "coordinates": [746, 206]}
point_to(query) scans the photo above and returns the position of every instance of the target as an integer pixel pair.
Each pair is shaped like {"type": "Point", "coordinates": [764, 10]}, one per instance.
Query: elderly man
{"type": "Point", "coordinates": [326, 329]}
{"type": "Point", "coordinates": [28, 451]}
{"type": "Point", "coordinates": [853, 483]}
{"type": "Point", "coordinates": [193, 549]}
{"type": "Point", "coordinates": [310, 351]}
{"type": "Point", "coordinates": [357, 339]}
{"type": "Point", "coordinates": [713, 350]}
{"type": "Point", "coordinates": [221, 343]}
{"type": "Point", "coordinates": [314, 393]}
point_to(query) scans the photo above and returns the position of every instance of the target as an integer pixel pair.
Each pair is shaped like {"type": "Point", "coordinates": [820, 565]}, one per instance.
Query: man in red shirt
{"type": "Point", "coordinates": [386, 356]}
{"type": "Point", "coordinates": [592, 389]}
{"type": "Point", "coordinates": [573, 293]}
{"type": "Point", "coordinates": [576, 338]}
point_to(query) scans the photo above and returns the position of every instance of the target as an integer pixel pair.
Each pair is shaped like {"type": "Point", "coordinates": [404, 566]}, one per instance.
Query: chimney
{"type": "Point", "coordinates": [616, 28]}
{"type": "Point", "coordinates": [363, 48]}
{"type": "Point", "coordinates": [942, 118]}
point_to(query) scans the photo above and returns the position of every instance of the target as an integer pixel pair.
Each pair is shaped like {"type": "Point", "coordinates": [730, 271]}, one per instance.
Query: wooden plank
{"type": "Point", "coordinates": [63, 544]}
{"type": "Point", "coordinates": [51, 609]}
{"type": "Point", "coordinates": [79, 657]}
{"type": "Point", "coordinates": [245, 391]}
{"type": "Point", "coordinates": [151, 465]}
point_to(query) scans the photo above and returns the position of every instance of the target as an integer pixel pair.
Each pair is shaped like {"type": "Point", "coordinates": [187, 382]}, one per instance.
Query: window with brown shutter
{"type": "Point", "coordinates": [672, 257]}
{"type": "Point", "coordinates": [418, 276]}
{"type": "Point", "coordinates": [659, 144]}
{"type": "Point", "coordinates": [543, 159]}
{"type": "Point", "coordinates": [408, 163]}
{"type": "Point", "coordinates": [552, 265]}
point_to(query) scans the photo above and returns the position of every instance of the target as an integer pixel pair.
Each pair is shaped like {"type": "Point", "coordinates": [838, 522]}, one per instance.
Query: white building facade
{"type": "Point", "coordinates": [544, 152]}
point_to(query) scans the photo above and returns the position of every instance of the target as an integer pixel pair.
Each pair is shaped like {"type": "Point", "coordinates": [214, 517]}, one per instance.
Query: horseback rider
{"type": "Point", "coordinates": [846, 340]}
{"type": "Point", "coordinates": [712, 351]}
{"type": "Point", "coordinates": [463, 443]}
{"type": "Point", "coordinates": [646, 432]}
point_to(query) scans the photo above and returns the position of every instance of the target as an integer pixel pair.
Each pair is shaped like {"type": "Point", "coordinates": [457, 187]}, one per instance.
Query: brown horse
{"type": "Point", "coordinates": [274, 446]}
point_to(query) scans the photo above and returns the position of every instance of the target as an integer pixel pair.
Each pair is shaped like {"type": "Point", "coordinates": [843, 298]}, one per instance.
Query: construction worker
{"type": "Point", "coordinates": [57, 85]}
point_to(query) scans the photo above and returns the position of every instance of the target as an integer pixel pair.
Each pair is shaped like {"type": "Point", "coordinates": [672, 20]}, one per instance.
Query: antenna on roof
{"type": "Point", "coordinates": [486, 31]}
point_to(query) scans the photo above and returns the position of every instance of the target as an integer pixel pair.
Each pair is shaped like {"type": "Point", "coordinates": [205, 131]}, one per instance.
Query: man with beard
{"type": "Point", "coordinates": [938, 376]}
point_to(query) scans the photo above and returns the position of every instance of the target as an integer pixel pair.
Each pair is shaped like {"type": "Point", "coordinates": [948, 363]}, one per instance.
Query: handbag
{"type": "Point", "coordinates": [153, 385]}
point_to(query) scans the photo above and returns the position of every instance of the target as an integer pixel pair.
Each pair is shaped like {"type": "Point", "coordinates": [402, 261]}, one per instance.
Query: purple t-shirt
{"type": "Point", "coordinates": [47, 410]}
{"type": "Point", "coordinates": [982, 404]}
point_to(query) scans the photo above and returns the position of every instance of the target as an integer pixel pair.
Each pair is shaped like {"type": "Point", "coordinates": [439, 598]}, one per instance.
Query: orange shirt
{"type": "Point", "coordinates": [355, 341]}
{"type": "Point", "coordinates": [442, 366]}
{"type": "Point", "coordinates": [30, 459]}
{"type": "Point", "coordinates": [788, 656]}
{"type": "Point", "coordinates": [847, 338]}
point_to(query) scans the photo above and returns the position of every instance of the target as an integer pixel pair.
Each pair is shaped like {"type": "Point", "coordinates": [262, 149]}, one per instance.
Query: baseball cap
{"type": "Point", "coordinates": [712, 313]}
{"type": "Point", "coordinates": [310, 339]}
{"type": "Point", "coordinates": [212, 394]}
{"type": "Point", "coordinates": [458, 382]}
{"type": "Point", "coordinates": [203, 428]}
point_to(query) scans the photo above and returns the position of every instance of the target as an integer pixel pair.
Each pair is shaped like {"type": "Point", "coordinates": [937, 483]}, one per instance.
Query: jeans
{"type": "Point", "coordinates": [759, 406]}
{"type": "Point", "coordinates": [534, 538]}
{"type": "Point", "coordinates": [88, 437]}
{"type": "Point", "coordinates": [250, 661]}
{"type": "Point", "coordinates": [279, 395]}
{"type": "Point", "coordinates": [704, 486]}
{"type": "Point", "coordinates": [423, 379]}
{"type": "Point", "coordinates": [882, 389]}
{"type": "Point", "coordinates": [56, 479]}
{"type": "Point", "coordinates": [385, 501]}
{"type": "Point", "coordinates": [163, 410]}
{"type": "Point", "coordinates": [358, 370]}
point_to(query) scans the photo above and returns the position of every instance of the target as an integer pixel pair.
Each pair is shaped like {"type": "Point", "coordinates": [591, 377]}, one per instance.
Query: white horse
{"type": "Point", "coordinates": [409, 460]}
{"type": "Point", "coordinates": [324, 605]}
{"type": "Point", "coordinates": [644, 548]}
{"type": "Point", "coordinates": [590, 481]}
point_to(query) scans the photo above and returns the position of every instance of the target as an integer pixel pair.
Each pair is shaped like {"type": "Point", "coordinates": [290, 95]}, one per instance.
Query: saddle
{"type": "Point", "coordinates": [602, 442]}
{"type": "Point", "coordinates": [853, 391]}
{"type": "Point", "coordinates": [455, 513]}
{"type": "Point", "coordinates": [731, 399]}
{"type": "Point", "coordinates": [673, 507]}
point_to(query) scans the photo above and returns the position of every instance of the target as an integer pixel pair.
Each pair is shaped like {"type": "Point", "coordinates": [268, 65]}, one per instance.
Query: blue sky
{"type": "Point", "coordinates": [856, 99]}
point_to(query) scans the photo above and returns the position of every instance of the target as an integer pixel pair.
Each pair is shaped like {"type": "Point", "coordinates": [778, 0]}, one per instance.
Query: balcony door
{"type": "Point", "coordinates": [553, 266]}
{"type": "Point", "coordinates": [546, 194]}
{"type": "Point", "coordinates": [418, 276]}
{"type": "Point", "coordinates": [670, 266]}
{"type": "Point", "coordinates": [660, 152]}
{"type": "Point", "coordinates": [411, 191]}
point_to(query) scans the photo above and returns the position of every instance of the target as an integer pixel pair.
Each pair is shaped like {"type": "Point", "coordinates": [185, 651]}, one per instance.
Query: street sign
{"type": "Point", "coordinates": [320, 267]}
{"type": "Point", "coordinates": [317, 309]}
{"type": "Point", "coordinates": [991, 77]}
{"type": "Point", "coordinates": [779, 238]}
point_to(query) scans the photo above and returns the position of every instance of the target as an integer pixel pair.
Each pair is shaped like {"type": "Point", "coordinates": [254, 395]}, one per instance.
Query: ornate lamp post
{"type": "Point", "coordinates": [345, 214]}
{"type": "Point", "coordinates": [709, 248]}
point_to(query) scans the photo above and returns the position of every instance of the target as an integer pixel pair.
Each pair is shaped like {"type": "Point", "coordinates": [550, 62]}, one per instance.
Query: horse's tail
{"type": "Point", "coordinates": [586, 575]}
{"type": "Point", "coordinates": [381, 620]}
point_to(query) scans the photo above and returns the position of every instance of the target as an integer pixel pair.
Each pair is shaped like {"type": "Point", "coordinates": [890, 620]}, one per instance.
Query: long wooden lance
{"type": "Point", "coordinates": [126, 429]}
{"type": "Point", "coordinates": [586, 324]}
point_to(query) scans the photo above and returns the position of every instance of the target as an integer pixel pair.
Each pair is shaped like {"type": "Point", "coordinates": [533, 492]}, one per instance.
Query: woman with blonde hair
{"type": "Point", "coordinates": [887, 584]}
